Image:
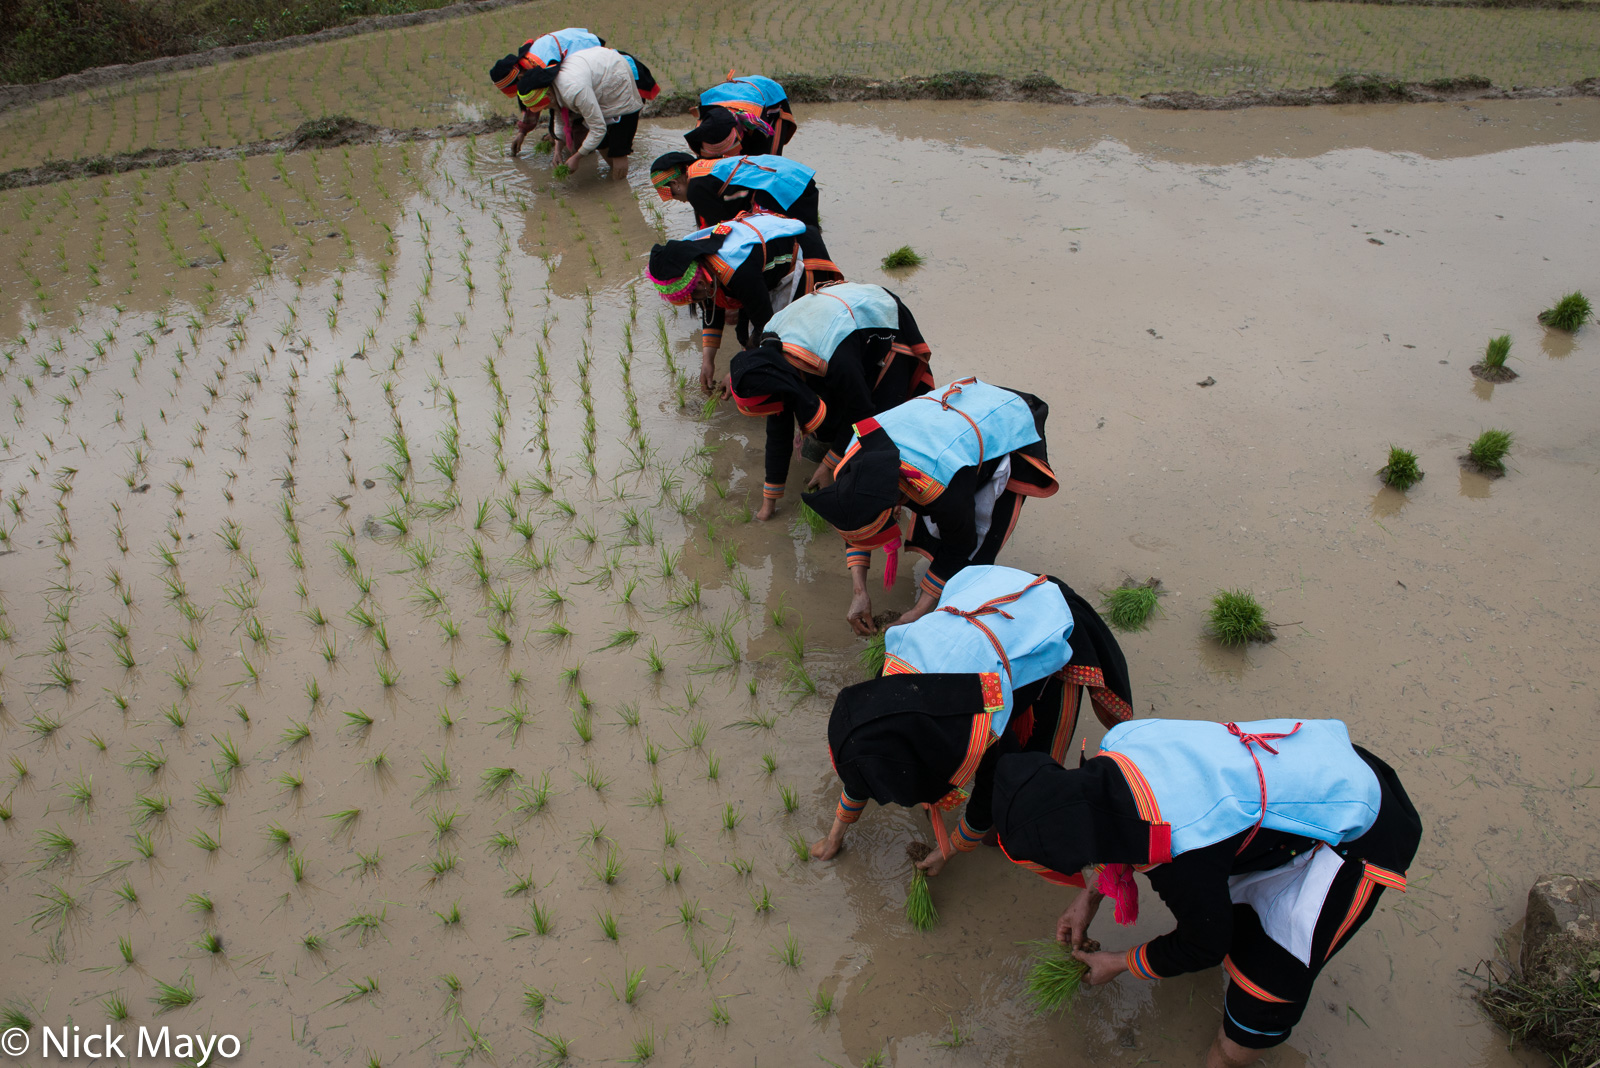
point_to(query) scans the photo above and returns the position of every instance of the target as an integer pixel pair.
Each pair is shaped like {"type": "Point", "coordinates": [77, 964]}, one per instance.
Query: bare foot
{"type": "Point", "coordinates": [767, 510]}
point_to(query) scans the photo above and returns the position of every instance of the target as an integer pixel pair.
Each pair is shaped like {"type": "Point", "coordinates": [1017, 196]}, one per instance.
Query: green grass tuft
{"type": "Point", "coordinates": [904, 256]}
{"type": "Point", "coordinates": [1569, 313]}
{"type": "Point", "coordinates": [1401, 471]}
{"type": "Point", "coordinates": [1054, 979]}
{"type": "Point", "coordinates": [920, 909]}
{"type": "Point", "coordinates": [1130, 606]}
{"type": "Point", "coordinates": [1490, 449]}
{"type": "Point", "coordinates": [1236, 618]}
{"type": "Point", "coordinates": [1494, 356]}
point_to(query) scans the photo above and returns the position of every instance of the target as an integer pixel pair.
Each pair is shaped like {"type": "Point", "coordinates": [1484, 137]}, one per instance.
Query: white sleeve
{"type": "Point", "coordinates": [587, 104]}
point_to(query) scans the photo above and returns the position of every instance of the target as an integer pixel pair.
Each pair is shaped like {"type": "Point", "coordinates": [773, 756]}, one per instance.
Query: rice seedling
{"type": "Point", "coordinates": [1488, 451]}
{"type": "Point", "coordinates": [56, 846]}
{"type": "Point", "coordinates": [450, 918]}
{"type": "Point", "coordinates": [291, 781]}
{"type": "Point", "coordinates": [1401, 472]}
{"type": "Point", "coordinates": [653, 659]}
{"type": "Point", "coordinates": [116, 1008]}
{"type": "Point", "coordinates": [296, 733]}
{"type": "Point", "coordinates": [920, 910]}
{"type": "Point", "coordinates": [176, 715]}
{"type": "Point", "coordinates": [556, 1048]}
{"type": "Point", "coordinates": [144, 845]}
{"type": "Point", "coordinates": [314, 943]}
{"type": "Point", "coordinates": [644, 1048]}
{"type": "Point", "coordinates": [209, 796]}
{"type": "Point", "coordinates": [170, 997]}
{"type": "Point", "coordinates": [150, 808]}
{"type": "Point", "coordinates": [204, 840]}
{"type": "Point", "coordinates": [444, 823]}
{"type": "Point", "coordinates": [60, 906]}
{"type": "Point", "coordinates": [1237, 618]}
{"type": "Point", "coordinates": [511, 721]}
{"type": "Point", "coordinates": [209, 941]}
{"type": "Point", "coordinates": [358, 989]}
{"type": "Point", "coordinates": [608, 924]}
{"type": "Point", "coordinates": [365, 925]}
{"type": "Point", "coordinates": [80, 792]}
{"type": "Point", "coordinates": [788, 954]}
{"type": "Point", "coordinates": [279, 838]}
{"type": "Point", "coordinates": [652, 797]}
{"type": "Point", "coordinates": [713, 768]}
{"type": "Point", "coordinates": [610, 870]}
{"type": "Point", "coordinates": [1569, 313]}
{"type": "Point", "coordinates": [799, 847]}
{"type": "Point", "coordinates": [821, 1004]}
{"type": "Point", "coordinates": [1054, 977]}
{"type": "Point", "coordinates": [1129, 606]}
{"type": "Point", "coordinates": [628, 714]}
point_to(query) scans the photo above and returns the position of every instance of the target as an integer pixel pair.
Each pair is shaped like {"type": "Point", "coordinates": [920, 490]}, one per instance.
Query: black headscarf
{"type": "Point", "coordinates": [672, 161]}
{"type": "Point", "coordinates": [761, 377]}
{"type": "Point", "coordinates": [899, 739]}
{"type": "Point", "coordinates": [716, 127]}
{"type": "Point", "coordinates": [864, 488]}
{"type": "Point", "coordinates": [537, 78]}
{"type": "Point", "coordinates": [671, 261]}
{"type": "Point", "coordinates": [500, 73]}
{"type": "Point", "coordinates": [1065, 819]}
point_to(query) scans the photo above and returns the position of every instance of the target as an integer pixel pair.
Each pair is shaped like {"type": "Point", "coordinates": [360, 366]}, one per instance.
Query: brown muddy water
{"type": "Point", "coordinates": [196, 420]}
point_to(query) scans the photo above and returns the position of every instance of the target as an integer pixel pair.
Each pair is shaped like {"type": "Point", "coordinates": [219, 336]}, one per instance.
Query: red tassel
{"type": "Point", "coordinates": [891, 563]}
{"type": "Point", "coordinates": [1024, 726]}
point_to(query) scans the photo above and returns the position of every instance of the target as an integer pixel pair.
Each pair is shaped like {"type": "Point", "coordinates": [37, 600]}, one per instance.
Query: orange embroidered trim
{"type": "Point", "coordinates": [893, 665]}
{"type": "Point", "coordinates": [1143, 796]}
{"type": "Point", "coordinates": [1250, 987]}
{"type": "Point", "coordinates": [979, 740]}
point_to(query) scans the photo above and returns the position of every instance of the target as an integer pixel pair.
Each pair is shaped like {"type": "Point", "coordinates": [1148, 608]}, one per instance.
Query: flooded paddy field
{"type": "Point", "coordinates": [391, 666]}
{"type": "Point", "coordinates": [429, 75]}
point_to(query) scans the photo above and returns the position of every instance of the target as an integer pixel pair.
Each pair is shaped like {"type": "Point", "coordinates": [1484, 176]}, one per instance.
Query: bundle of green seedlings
{"type": "Point", "coordinates": [1130, 606]}
{"type": "Point", "coordinates": [1237, 618]}
{"type": "Point", "coordinates": [1492, 368]}
{"type": "Point", "coordinates": [1569, 313]}
{"type": "Point", "coordinates": [871, 658]}
{"type": "Point", "coordinates": [904, 256]}
{"type": "Point", "coordinates": [920, 909]}
{"type": "Point", "coordinates": [1488, 452]}
{"type": "Point", "coordinates": [1401, 471]}
{"type": "Point", "coordinates": [1553, 1009]}
{"type": "Point", "coordinates": [1055, 977]}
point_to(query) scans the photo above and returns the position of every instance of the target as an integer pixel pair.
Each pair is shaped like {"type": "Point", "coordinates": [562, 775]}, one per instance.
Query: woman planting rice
{"type": "Point", "coordinates": [720, 189]}
{"type": "Point", "coordinates": [830, 359]}
{"type": "Point", "coordinates": [754, 265]}
{"type": "Point", "coordinates": [997, 669]}
{"type": "Point", "coordinates": [1271, 843]}
{"type": "Point", "coordinates": [961, 459]}
{"type": "Point", "coordinates": [746, 115]}
{"type": "Point", "coordinates": [546, 53]}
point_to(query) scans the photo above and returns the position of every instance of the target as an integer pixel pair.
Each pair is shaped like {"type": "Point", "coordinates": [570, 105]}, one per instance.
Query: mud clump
{"type": "Point", "coordinates": [330, 131]}
{"type": "Point", "coordinates": [917, 852]}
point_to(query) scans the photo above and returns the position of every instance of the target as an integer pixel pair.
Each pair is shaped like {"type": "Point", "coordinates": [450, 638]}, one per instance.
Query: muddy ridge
{"type": "Point", "coordinates": [810, 89]}
{"type": "Point", "coordinates": [99, 77]}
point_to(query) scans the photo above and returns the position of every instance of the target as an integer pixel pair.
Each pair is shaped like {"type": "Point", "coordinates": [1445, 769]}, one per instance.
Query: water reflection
{"type": "Point", "coordinates": [1386, 502]}
{"type": "Point", "coordinates": [1482, 390]}
{"type": "Point", "coordinates": [1222, 661]}
{"type": "Point", "coordinates": [1557, 344]}
{"type": "Point", "coordinates": [1474, 483]}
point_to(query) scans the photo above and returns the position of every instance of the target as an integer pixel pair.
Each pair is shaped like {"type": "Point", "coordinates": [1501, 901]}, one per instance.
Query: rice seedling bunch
{"type": "Point", "coordinates": [1494, 356]}
{"type": "Point", "coordinates": [920, 909]}
{"type": "Point", "coordinates": [1055, 977]}
{"type": "Point", "coordinates": [1401, 471]}
{"type": "Point", "coordinates": [1130, 606]}
{"type": "Point", "coordinates": [812, 519]}
{"type": "Point", "coordinates": [1569, 313]}
{"type": "Point", "coordinates": [1490, 449]}
{"type": "Point", "coordinates": [1237, 617]}
{"type": "Point", "coordinates": [904, 256]}
{"type": "Point", "coordinates": [872, 656]}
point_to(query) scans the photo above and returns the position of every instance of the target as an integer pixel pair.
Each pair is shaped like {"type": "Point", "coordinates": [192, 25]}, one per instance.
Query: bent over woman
{"type": "Point", "coordinates": [719, 189]}
{"type": "Point", "coordinates": [754, 265]}
{"type": "Point", "coordinates": [961, 459]}
{"type": "Point", "coordinates": [745, 115]}
{"type": "Point", "coordinates": [830, 359]}
{"type": "Point", "coordinates": [998, 669]}
{"type": "Point", "coordinates": [1271, 843]}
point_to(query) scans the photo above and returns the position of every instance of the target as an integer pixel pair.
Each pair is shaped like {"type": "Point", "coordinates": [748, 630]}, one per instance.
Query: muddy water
{"type": "Point", "coordinates": [1109, 269]}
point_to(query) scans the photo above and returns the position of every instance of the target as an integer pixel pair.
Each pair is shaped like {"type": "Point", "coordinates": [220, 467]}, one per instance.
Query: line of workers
{"type": "Point", "coordinates": [1270, 842]}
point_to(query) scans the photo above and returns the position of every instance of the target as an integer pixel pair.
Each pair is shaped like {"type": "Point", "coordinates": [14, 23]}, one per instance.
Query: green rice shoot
{"type": "Point", "coordinates": [1401, 471]}
{"type": "Point", "coordinates": [920, 909]}
{"type": "Point", "coordinates": [872, 656]}
{"type": "Point", "coordinates": [1570, 312]}
{"type": "Point", "coordinates": [1054, 978]}
{"type": "Point", "coordinates": [1490, 449]}
{"type": "Point", "coordinates": [1494, 356]}
{"type": "Point", "coordinates": [1130, 606]}
{"type": "Point", "coordinates": [812, 519]}
{"type": "Point", "coordinates": [1237, 617]}
{"type": "Point", "coordinates": [904, 256]}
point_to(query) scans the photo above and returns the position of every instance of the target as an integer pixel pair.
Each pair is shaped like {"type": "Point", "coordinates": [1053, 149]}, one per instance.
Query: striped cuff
{"type": "Point", "coordinates": [858, 558]}
{"type": "Point", "coordinates": [932, 584]}
{"type": "Point", "coordinates": [772, 491]}
{"type": "Point", "coordinates": [831, 460]}
{"type": "Point", "coordinates": [711, 337]}
{"type": "Point", "coordinates": [967, 838]}
{"type": "Point", "coordinates": [849, 809]}
{"type": "Point", "coordinates": [1139, 962]}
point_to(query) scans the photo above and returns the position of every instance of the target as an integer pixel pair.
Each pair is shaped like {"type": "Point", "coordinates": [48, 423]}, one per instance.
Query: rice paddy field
{"type": "Point", "coordinates": [391, 672]}
{"type": "Point", "coordinates": [428, 75]}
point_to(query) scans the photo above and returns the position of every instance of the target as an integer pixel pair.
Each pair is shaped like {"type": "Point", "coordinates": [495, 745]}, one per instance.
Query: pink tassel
{"type": "Point", "coordinates": [891, 563]}
{"type": "Point", "coordinates": [1116, 882]}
